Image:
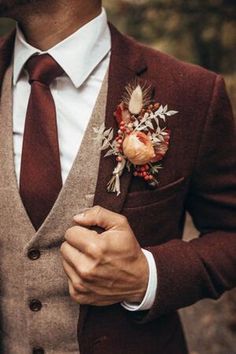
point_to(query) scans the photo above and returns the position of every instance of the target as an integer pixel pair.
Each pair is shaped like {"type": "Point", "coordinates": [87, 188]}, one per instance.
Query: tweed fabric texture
{"type": "Point", "coordinates": [54, 327]}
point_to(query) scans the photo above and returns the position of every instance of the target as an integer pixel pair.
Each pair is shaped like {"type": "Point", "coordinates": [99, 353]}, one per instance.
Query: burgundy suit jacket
{"type": "Point", "coordinates": [198, 175]}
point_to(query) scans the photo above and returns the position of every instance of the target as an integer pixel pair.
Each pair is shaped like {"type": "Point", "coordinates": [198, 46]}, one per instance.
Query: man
{"type": "Point", "coordinates": [123, 260]}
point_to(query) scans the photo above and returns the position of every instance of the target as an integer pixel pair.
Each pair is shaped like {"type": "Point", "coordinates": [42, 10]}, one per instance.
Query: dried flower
{"type": "Point", "coordinates": [136, 101]}
{"type": "Point", "coordinates": [122, 114]}
{"type": "Point", "coordinates": [142, 139]}
{"type": "Point", "coordinates": [138, 148]}
{"type": "Point", "coordinates": [162, 148]}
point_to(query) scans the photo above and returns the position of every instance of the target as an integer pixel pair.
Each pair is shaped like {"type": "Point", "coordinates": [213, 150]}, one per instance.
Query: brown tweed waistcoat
{"type": "Point", "coordinates": [54, 326]}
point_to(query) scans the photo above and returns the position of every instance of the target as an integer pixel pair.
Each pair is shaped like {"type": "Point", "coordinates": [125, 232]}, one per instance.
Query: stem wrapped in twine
{"type": "Point", "coordinates": [114, 183]}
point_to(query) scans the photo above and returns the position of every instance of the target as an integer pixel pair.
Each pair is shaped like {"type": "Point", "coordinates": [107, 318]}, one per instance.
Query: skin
{"type": "Point", "coordinates": [46, 23]}
{"type": "Point", "coordinates": [102, 269]}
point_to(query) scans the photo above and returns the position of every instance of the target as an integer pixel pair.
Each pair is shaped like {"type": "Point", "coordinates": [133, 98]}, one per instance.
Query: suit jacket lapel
{"type": "Point", "coordinates": [125, 67]}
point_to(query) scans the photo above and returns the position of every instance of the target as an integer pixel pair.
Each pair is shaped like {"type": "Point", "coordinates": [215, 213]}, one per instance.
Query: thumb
{"type": "Point", "coordinates": [98, 216]}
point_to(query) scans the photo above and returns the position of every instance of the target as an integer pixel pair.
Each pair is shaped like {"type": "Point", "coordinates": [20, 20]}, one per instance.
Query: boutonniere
{"type": "Point", "coordinates": [142, 139]}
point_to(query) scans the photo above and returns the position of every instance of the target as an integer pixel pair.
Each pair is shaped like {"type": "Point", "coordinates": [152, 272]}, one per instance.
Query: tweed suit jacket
{"type": "Point", "coordinates": [198, 175]}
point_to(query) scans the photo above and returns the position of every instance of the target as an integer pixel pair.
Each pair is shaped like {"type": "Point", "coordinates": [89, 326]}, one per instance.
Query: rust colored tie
{"type": "Point", "coordinates": [40, 176]}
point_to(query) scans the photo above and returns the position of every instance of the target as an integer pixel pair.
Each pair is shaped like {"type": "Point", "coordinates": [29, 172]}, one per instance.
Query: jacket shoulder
{"type": "Point", "coordinates": [158, 60]}
{"type": "Point", "coordinates": [163, 64]}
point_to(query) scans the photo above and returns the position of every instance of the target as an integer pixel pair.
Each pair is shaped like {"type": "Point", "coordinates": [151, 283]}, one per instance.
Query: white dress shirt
{"type": "Point", "coordinates": [84, 57]}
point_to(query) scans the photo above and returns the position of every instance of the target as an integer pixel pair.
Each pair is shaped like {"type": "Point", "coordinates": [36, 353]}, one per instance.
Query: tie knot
{"type": "Point", "coordinates": [43, 68]}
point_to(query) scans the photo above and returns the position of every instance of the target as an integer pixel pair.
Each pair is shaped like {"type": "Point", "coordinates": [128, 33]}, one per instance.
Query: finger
{"type": "Point", "coordinates": [76, 281]}
{"type": "Point", "coordinates": [84, 266]}
{"type": "Point", "coordinates": [86, 241]}
{"type": "Point", "coordinates": [83, 299]}
{"type": "Point", "coordinates": [83, 239]}
{"type": "Point", "coordinates": [71, 255]}
{"type": "Point", "coordinates": [101, 217]}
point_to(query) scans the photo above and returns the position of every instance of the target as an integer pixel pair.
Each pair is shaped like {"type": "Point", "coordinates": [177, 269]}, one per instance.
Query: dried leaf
{"type": "Point", "coordinates": [142, 127]}
{"type": "Point", "coordinates": [107, 132]}
{"type": "Point", "coordinates": [101, 129]}
{"type": "Point", "coordinates": [110, 136]}
{"type": "Point", "coordinates": [162, 116]}
{"type": "Point", "coordinates": [171, 113]}
{"type": "Point", "coordinates": [159, 111]}
{"type": "Point", "coordinates": [157, 121]}
{"type": "Point", "coordinates": [109, 153]}
{"type": "Point", "coordinates": [149, 124]}
{"type": "Point", "coordinates": [128, 165]}
{"type": "Point", "coordinates": [105, 145]}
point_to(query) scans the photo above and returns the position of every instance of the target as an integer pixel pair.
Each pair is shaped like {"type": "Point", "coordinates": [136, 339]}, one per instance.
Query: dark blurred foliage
{"type": "Point", "coordinates": [201, 31]}
{"type": "Point", "coordinates": [5, 26]}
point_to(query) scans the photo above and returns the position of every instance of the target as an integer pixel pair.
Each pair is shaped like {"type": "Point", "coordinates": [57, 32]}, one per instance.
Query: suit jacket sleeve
{"type": "Point", "coordinates": [204, 267]}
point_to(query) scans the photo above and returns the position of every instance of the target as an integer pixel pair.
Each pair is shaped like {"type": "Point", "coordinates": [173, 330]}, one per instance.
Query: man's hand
{"type": "Point", "coordinates": [105, 268]}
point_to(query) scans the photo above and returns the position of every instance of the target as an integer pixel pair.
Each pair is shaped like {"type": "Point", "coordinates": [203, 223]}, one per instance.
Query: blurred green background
{"type": "Point", "coordinates": [198, 31]}
{"type": "Point", "coordinates": [202, 32]}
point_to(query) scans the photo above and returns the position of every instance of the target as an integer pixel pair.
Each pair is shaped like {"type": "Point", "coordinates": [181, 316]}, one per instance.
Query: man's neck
{"type": "Point", "coordinates": [45, 30]}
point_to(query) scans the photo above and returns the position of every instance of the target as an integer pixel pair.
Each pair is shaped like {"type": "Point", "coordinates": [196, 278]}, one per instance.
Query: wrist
{"type": "Point", "coordinates": [142, 277]}
{"type": "Point", "coordinates": [150, 295]}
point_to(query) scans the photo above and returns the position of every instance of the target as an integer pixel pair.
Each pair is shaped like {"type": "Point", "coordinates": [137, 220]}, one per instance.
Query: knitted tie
{"type": "Point", "coordinates": [40, 177]}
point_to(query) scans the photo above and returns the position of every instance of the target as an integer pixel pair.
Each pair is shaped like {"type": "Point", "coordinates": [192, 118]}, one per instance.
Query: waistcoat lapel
{"type": "Point", "coordinates": [8, 177]}
{"type": "Point", "coordinates": [6, 50]}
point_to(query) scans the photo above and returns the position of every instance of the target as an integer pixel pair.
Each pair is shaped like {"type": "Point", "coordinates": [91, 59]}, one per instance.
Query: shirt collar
{"type": "Point", "coordinates": [78, 54]}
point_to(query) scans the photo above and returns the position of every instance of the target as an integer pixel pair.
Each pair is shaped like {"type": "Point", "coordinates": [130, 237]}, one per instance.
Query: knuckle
{"type": "Point", "coordinates": [73, 293]}
{"type": "Point", "coordinates": [97, 209]}
{"type": "Point", "coordinates": [86, 273]}
{"type": "Point", "coordinates": [102, 248]}
{"type": "Point", "coordinates": [77, 286]}
{"type": "Point", "coordinates": [69, 232]}
{"type": "Point", "coordinates": [94, 250]}
{"type": "Point", "coordinates": [123, 220]}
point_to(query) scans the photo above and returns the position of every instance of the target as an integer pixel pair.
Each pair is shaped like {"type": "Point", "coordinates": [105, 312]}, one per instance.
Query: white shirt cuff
{"type": "Point", "coordinates": [150, 295]}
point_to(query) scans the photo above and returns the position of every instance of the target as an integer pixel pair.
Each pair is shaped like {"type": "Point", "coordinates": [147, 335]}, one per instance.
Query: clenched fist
{"type": "Point", "coordinates": [104, 268]}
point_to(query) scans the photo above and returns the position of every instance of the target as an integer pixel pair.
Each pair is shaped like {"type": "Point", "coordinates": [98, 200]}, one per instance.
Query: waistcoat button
{"type": "Point", "coordinates": [38, 350]}
{"type": "Point", "coordinates": [33, 254]}
{"type": "Point", "coordinates": [35, 305]}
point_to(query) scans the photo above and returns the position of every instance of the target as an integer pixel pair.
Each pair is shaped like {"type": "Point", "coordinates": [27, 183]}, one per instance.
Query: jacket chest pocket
{"type": "Point", "coordinates": [157, 216]}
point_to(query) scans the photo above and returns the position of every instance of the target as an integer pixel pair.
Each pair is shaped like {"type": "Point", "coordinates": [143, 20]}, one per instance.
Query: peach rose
{"type": "Point", "coordinates": [137, 147]}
